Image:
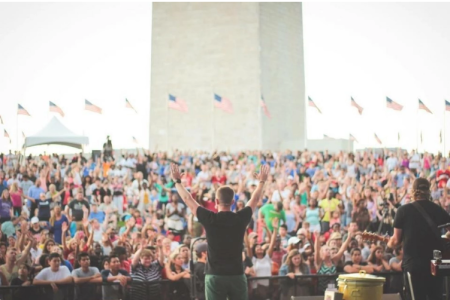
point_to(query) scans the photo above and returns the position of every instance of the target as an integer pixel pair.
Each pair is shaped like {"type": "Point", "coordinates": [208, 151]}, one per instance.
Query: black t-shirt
{"type": "Point", "coordinates": [43, 209]}
{"type": "Point", "coordinates": [102, 193]}
{"type": "Point", "coordinates": [419, 241]}
{"type": "Point", "coordinates": [199, 271]}
{"type": "Point", "coordinates": [77, 209]}
{"type": "Point", "coordinates": [225, 236]}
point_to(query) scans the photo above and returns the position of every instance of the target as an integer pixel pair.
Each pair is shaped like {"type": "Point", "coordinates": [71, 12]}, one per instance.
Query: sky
{"type": "Point", "coordinates": [69, 52]}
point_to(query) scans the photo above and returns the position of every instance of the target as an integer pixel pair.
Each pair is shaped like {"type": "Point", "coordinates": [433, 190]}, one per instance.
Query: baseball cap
{"type": "Point", "coordinates": [293, 240]}
{"type": "Point", "coordinates": [421, 184]}
{"type": "Point", "coordinates": [34, 220]}
{"type": "Point", "coordinates": [335, 236]}
{"type": "Point", "coordinates": [201, 247]}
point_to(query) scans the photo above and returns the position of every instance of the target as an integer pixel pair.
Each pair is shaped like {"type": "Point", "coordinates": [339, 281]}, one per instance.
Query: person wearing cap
{"type": "Point", "coordinates": [293, 243]}
{"type": "Point", "coordinates": [419, 239]}
{"type": "Point", "coordinates": [225, 276]}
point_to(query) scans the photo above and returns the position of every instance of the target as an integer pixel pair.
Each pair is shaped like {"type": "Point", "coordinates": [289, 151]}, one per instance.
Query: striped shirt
{"type": "Point", "coordinates": [142, 274]}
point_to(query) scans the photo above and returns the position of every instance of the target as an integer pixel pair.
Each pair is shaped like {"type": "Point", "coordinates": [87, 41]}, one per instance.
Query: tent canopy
{"type": "Point", "coordinates": [57, 134]}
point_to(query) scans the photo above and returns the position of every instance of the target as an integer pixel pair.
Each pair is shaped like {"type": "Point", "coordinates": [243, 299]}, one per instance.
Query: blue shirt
{"type": "Point", "coordinates": [35, 193]}
{"type": "Point", "coordinates": [57, 228]}
{"type": "Point", "coordinates": [100, 216]}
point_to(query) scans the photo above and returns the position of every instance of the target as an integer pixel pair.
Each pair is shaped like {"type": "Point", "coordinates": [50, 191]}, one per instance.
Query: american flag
{"type": "Point", "coordinates": [177, 104]}
{"type": "Point", "coordinates": [6, 134]}
{"type": "Point", "coordinates": [55, 108]}
{"type": "Point", "coordinates": [264, 107]}
{"type": "Point", "coordinates": [378, 139]}
{"type": "Point", "coordinates": [447, 105]}
{"type": "Point", "coordinates": [354, 104]}
{"type": "Point", "coordinates": [128, 105]}
{"type": "Point", "coordinates": [392, 104]}
{"type": "Point", "coordinates": [135, 140]}
{"type": "Point", "coordinates": [91, 107]}
{"type": "Point", "coordinates": [23, 134]}
{"type": "Point", "coordinates": [223, 104]}
{"type": "Point", "coordinates": [423, 106]}
{"type": "Point", "coordinates": [22, 111]}
{"type": "Point", "coordinates": [312, 104]}
{"type": "Point", "coordinates": [352, 138]}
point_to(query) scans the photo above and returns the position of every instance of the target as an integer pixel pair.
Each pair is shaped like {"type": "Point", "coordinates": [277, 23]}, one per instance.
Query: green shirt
{"type": "Point", "coordinates": [270, 213]}
{"type": "Point", "coordinates": [162, 193]}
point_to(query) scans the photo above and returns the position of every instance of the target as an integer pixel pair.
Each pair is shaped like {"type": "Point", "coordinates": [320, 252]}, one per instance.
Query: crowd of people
{"type": "Point", "coordinates": [114, 224]}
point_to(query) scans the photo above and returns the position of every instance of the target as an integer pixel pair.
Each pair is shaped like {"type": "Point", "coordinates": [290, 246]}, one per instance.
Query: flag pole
{"type": "Point", "coordinates": [443, 131]}
{"type": "Point", "coordinates": [17, 132]}
{"type": "Point", "coordinates": [417, 130]}
{"type": "Point", "coordinates": [167, 127]}
{"type": "Point", "coordinates": [213, 129]}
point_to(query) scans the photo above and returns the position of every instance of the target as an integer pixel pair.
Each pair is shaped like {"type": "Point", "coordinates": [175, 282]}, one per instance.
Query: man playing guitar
{"type": "Point", "coordinates": [415, 226]}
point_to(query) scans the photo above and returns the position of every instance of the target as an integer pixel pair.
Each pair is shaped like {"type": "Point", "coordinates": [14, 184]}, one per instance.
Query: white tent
{"type": "Point", "coordinates": [55, 133]}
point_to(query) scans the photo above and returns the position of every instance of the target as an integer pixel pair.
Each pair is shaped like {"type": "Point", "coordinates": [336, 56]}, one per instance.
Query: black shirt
{"type": "Point", "coordinates": [43, 209]}
{"type": "Point", "coordinates": [77, 209]}
{"type": "Point", "coordinates": [225, 235]}
{"type": "Point", "coordinates": [199, 271]}
{"type": "Point", "coordinates": [418, 239]}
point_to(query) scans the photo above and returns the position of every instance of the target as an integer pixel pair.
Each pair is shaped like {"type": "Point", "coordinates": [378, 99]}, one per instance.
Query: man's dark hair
{"type": "Point", "coordinates": [278, 206]}
{"type": "Point", "coordinates": [113, 255]}
{"type": "Point", "coordinates": [54, 255]}
{"type": "Point", "coordinates": [81, 255]}
{"type": "Point", "coordinates": [119, 250]}
{"type": "Point", "coordinates": [225, 194]}
{"type": "Point", "coordinates": [283, 226]}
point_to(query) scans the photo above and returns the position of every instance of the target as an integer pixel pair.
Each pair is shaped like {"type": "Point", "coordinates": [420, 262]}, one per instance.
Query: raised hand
{"type": "Point", "coordinates": [263, 173]}
{"type": "Point", "coordinates": [275, 223]}
{"type": "Point", "coordinates": [64, 227]}
{"type": "Point", "coordinates": [175, 172]}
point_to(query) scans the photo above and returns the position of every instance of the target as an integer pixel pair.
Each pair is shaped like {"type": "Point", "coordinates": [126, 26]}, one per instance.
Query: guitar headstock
{"type": "Point", "coordinates": [373, 237]}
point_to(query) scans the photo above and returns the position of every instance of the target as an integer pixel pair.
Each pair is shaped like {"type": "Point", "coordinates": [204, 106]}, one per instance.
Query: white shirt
{"type": "Point", "coordinates": [284, 193]}
{"type": "Point", "coordinates": [205, 178]}
{"type": "Point", "coordinates": [414, 162]}
{"type": "Point", "coordinates": [263, 268]}
{"type": "Point", "coordinates": [48, 274]}
{"type": "Point", "coordinates": [391, 163]}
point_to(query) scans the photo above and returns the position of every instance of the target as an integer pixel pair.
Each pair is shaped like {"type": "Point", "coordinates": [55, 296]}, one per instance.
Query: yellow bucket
{"type": "Point", "coordinates": [361, 286]}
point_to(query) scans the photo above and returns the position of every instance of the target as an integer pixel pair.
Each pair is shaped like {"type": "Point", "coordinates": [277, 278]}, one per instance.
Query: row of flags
{"type": "Point", "coordinates": [389, 104]}
{"type": "Point", "coordinates": [352, 138]}
{"type": "Point", "coordinates": [220, 102]}
{"type": "Point", "coordinates": [175, 103]}
{"type": "Point", "coordinates": [55, 108]}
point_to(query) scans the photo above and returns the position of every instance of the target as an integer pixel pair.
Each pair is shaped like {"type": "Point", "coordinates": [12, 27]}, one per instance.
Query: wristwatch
{"type": "Point", "coordinates": [178, 180]}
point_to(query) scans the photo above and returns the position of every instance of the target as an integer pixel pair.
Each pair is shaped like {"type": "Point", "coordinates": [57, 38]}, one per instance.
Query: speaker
{"type": "Point", "coordinates": [96, 154]}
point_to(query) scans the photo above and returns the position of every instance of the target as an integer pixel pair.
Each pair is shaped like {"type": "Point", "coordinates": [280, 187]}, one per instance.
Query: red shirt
{"type": "Point", "coordinates": [443, 181]}
{"type": "Point", "coordinates": [221, 180]}
{"type": "Point", "coordinates": [210, 205]}
{"type": "Point", "coordinates": [125, 265]}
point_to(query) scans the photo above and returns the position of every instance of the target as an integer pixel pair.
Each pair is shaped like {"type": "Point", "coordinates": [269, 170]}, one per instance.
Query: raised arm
{"type": "Point", "coordinates": [273, 238]}
{"type": "Point", "coordinates": [317, 259]}
{"type": "Point", "coordinates": [262, 177]}
{"type": "Point", "coordinates": [344, 246]}
{"type": "Point", "coordinates": [184, 194]}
